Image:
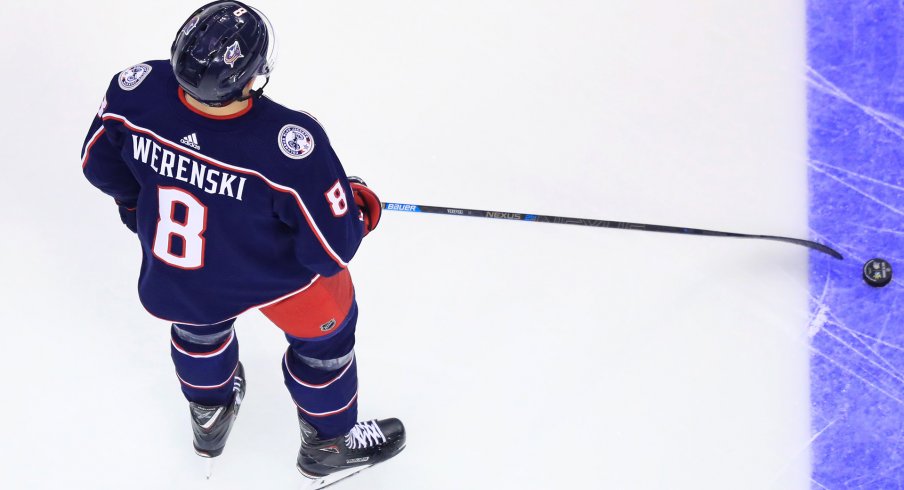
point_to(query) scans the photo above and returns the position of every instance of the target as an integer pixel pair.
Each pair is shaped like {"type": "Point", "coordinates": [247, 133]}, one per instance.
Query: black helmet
{"type": "Point", "coordinates": [220, 48]}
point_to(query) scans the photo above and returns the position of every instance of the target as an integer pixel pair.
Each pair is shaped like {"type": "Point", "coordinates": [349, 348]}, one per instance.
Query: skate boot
{"type": "Point", "coordinates": [326, 461]}
{"type": "Point", "coordinates": [211, 424]}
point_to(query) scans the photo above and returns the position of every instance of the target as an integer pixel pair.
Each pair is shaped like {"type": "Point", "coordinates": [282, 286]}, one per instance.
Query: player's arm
{"type": "Point", "coordinates": [105, 169]}
{"type": "Point", "coordinates": [327, 223]}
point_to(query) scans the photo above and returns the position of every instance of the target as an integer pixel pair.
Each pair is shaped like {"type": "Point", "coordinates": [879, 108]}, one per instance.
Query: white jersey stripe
{"type": "Point", "coordinates": [327, 414]}
{"type": "Point", "coordinates": [218, 351]}
{"type": "Point", "coordinates": [304, 209]}
{"type": "Point", "coordinates": [309, 385]}
{"type": "Point", "coordinates": [202, 387]}
{"type": "Point", "coordinates": [90, 143]}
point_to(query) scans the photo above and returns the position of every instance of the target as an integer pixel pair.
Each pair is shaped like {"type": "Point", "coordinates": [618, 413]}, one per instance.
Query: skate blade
{"type": "Point", "coordinates": [318, 482]}
{"type": "Point", "coordinates": [208, 463]}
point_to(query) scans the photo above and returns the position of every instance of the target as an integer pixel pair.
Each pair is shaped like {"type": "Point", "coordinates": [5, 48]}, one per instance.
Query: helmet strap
{"type": "Point", "coordinates": [258, 92]}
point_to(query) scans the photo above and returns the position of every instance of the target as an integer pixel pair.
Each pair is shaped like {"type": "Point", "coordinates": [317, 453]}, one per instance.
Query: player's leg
{"type": "Point", "coordinates": [206, 359]}
{"type": "Point", "coordinates": [212, 378]}
{"type": "Point", "coordinates": [320, 372]}
{"type": "Point", "coordinates": [319, 365]}
{"type": "Point", "coordinates": [322, 377]}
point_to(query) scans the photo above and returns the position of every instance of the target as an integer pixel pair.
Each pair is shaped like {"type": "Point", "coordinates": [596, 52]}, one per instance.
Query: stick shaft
{"type": "Point", "coordinates": [597, 223]}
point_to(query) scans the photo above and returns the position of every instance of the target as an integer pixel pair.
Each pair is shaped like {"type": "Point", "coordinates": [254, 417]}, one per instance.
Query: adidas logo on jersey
{"type": "Point", "coordinates": [191, 140]}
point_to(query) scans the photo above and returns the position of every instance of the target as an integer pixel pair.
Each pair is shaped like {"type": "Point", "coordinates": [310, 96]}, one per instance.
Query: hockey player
{"type": "Point", "coordinates": [240, 203]}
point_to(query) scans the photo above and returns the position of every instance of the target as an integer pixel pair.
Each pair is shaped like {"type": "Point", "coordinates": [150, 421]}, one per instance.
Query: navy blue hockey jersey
{"type": "Point", "coordinates": [232, 213]}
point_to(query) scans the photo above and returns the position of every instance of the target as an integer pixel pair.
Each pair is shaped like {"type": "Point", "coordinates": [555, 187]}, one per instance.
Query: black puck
{"type": "Point", "coordinates": [877, 272]}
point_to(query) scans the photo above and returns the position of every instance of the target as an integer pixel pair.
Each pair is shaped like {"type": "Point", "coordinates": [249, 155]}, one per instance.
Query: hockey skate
{"type": "Point", "coordinates": [211, 424]}
{"type": "Point", "coordinates": [328, 461]}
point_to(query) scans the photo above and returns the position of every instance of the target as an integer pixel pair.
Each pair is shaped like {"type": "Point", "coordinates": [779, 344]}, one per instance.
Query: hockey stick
{"type": "Point", "coordinates": [479, 213]}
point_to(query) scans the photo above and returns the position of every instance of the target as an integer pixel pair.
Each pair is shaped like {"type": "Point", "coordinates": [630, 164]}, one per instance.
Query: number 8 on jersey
{"type": "Point", "coordinates": [189, 231]}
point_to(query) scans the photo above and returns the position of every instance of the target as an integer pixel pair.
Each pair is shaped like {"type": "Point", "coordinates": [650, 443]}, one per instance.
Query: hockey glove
{"type": "Point", "coordinates": [368, 202]}
{"type": "Point", "coordinates": [129, 217]}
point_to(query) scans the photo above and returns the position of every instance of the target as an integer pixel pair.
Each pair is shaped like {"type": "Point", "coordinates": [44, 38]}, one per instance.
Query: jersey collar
{"type": "Point", "coordinates": [211, 116]}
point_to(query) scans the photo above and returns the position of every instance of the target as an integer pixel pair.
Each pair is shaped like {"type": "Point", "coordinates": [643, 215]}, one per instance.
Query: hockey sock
{"type": "Point", "coordinates": [206, 359]}
{"type": "Point", "coordinates": [322, 378]}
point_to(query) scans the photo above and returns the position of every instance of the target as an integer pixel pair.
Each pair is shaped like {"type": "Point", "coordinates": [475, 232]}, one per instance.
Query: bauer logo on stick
{"type": "Point", "coordinates": [295, 142]}
{"type": "Point", "coordinates": [131, 77]}
{"type": "Point", "coordinates": [402, 207]}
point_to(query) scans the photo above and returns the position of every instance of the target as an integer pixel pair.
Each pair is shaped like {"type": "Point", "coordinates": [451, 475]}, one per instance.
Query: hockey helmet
{"type": "Point", "coordinates": [222, 47]}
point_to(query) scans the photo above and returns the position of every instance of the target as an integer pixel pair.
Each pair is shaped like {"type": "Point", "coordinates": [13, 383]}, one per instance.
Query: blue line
{"type": "Point", "coordinates": [856, 109]}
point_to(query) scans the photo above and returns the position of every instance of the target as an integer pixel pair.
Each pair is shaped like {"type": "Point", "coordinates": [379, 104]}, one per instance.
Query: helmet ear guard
{"type": "Point", "coordinates": [222, 48]}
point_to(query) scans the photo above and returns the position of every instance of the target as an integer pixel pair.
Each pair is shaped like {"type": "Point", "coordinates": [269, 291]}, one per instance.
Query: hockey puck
{"type": "Point", "coordinates": [877, 272]}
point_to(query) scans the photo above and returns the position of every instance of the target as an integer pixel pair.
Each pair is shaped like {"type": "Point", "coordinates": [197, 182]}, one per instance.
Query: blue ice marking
{"type": "Point", "coordinates": [856, 183]}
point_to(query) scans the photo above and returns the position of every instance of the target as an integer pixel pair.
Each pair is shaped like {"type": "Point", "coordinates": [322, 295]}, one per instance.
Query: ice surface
{"type": "Point", "coordinates": [857, 184]}
{"type": "Point", "coordinates": [520, 355]}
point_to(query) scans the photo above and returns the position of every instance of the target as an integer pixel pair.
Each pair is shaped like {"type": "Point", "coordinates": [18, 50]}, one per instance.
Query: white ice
{"type": "Point", "coordinates": [520, 355]}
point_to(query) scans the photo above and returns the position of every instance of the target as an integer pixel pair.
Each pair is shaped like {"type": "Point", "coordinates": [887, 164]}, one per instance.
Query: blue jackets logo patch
{"type": "Point", "coordinates": [131, 77]}
{"type": "Point", "coordinates": [233, 53]}
{"type": "Point", "coordinates": [295, 141]}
